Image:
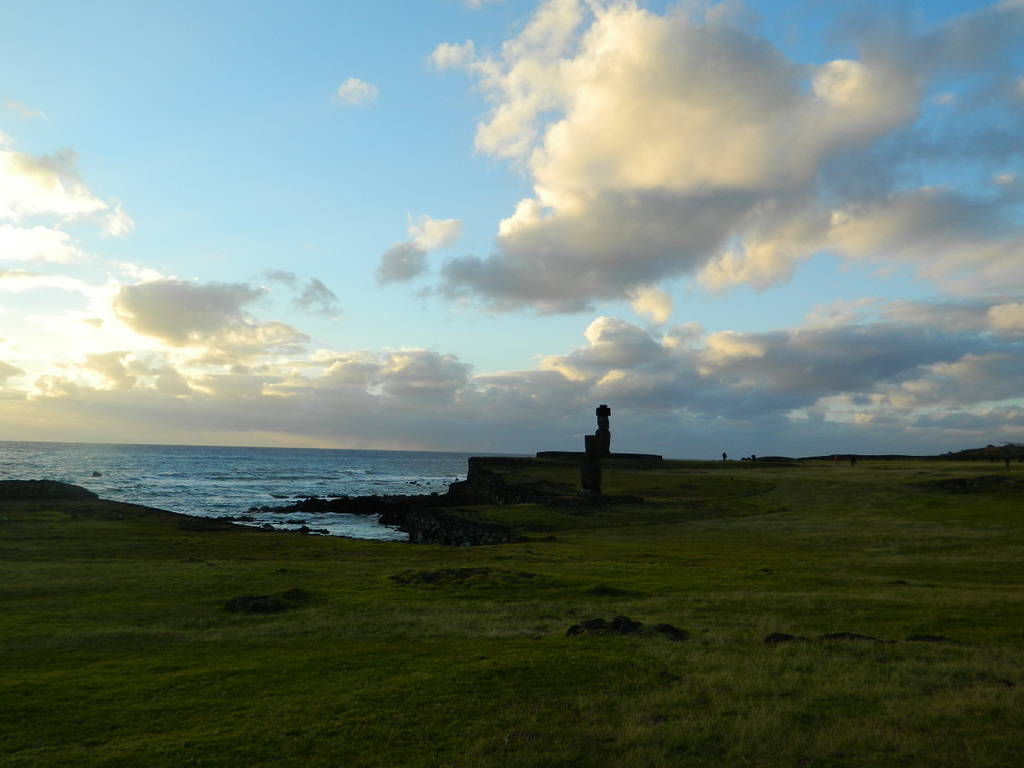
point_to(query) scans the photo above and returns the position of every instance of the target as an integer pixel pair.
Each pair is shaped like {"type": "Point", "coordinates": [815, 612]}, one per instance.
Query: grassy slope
{"type": "Point", "coordinates": [115, 648]}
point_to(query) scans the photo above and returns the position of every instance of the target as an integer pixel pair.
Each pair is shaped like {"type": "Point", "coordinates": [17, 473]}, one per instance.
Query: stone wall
{"type": "Point", "coordinates": [433, 527]}
{"type": "Point", "coordinates": [486, 484]}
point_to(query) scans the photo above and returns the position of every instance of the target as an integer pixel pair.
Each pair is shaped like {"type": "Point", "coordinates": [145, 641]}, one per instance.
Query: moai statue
{"type": "Point", "coordinates": [590, 466]}
{"type": "Point", "coordinates": [603, 435]}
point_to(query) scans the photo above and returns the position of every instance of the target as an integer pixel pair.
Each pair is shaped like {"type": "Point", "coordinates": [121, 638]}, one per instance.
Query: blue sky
{"type": "Point", "coordinates": [771, 228]}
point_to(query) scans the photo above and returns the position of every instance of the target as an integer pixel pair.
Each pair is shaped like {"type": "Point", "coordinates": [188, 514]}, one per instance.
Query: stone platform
{"type": "Point", "coordinates": [576, 455]}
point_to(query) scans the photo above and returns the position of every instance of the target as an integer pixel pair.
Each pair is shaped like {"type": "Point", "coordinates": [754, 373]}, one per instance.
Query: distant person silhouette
{"type": "Point", "coordinates": [725, 456]}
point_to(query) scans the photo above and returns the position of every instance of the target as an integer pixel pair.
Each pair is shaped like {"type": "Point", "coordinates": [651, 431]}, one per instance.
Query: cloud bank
{"type": "Point", "coordinates": [197, 362]}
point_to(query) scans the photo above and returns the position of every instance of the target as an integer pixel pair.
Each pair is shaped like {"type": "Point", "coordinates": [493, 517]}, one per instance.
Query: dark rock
{"type": "Point", "coordinates": [460, 576]}
{"type": "Point", "coordinates": [672, 633]}
{"type": "Point", "coordinates": [623, 625]}
{"type": "Point", "coordinates": [262, 604]}
{"type": "Point", "coordinates": [850, 636]}
{"type": "Point", "coordinates": [780, 637]}
{"type": "Point", "coordinates": [597, 626]}
{"type": "Point", "coordinates": [206, 525]}
{"type": "Point", "coordinates": [605, 590]}
{"type": "Point", "coordinates": [435, 527]}
{"type": "Point", "coordinates": [594, 625]}
{"type": "Point", "coordinates": [653, 720]}
{"type": "Point", "coordinates": [620, 625]}
{"type": "Point", "coordinates": [513, 737]}
{"type": "Point", "coordinates": [255, 604]}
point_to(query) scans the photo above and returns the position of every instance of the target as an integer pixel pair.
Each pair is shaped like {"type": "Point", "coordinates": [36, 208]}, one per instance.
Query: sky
{"type": "Point", "coordinates": [785, 227]}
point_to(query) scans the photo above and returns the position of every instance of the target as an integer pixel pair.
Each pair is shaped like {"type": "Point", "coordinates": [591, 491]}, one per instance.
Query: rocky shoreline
{"type": "Point", "coordinates": [427, 519]}
{"type": "Point", "coordinates": [439, 518]}
{"type": "Point", "coordinates": [435, 518]}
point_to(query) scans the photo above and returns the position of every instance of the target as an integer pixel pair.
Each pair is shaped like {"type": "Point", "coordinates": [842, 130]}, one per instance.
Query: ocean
{"type": "Point", "coordinates": [221, 481]}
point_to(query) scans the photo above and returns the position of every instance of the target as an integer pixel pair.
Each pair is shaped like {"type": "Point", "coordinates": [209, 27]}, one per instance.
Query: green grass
{"type": "Point", "coordinates": [116, 648]}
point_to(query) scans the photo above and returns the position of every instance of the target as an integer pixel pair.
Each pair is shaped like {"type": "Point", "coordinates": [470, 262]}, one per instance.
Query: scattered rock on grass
{"type": "Point", "coordinates": [780, 637]}
{"type": "Point", "coordinates": [206, 525]}
{"type": "Point", "coordinates": [851, 637]}
{"type": "Point", "coordinates": [517, 737]}
{"type": "Point", "coordinates": [264, 604]}
{"type": "Point", "coordinates": [653, 720]}
{"type": "Point", "coordinates": [606, 591]}
{"type": "Point", "coordinates": [623, 625]}
{"type": "Point", "coordinates": [672, 633]}
{"type": "Point", "coordinates": [255, 604]}
{"type": "Point", "coordinates": [460, 576]}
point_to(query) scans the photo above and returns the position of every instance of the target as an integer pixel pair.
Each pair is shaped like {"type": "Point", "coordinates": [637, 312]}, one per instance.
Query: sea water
{"type": "Point", "coordinates": [226, 482]}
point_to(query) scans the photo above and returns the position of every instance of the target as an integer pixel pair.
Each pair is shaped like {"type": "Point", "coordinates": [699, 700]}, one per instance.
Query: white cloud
{"type": "Point", "coordinates": [401, 262]}
{"type": "Point", "coordinates": [179, 312]}
{"type": "Point", "coordinates": [38, 244]}
{"type": "Point", "coordinates": [405, 261]}
{"type": "Point", "coordinates": [1007, 317]}
{"type": "Point", "coordinates": [614, 344]}
{"type": "Point", "coordinates": [429, 233]}
{"type": "Point", "coordinates": [25, 111]}
{"type": "Point", "coordinates": [652, 303]}
{"type": "Point", "coordinates": [110, 367]}
{"type": "Point", "coordinates": [8, 371]}
{"type": "Point", "coordinates": [209, 319]}
{"type": "Point", "coordinates": [453, 55]}
{"type": "Point", "coordinates": [965, 244]}
{"type": "Point", "coordinates": [46, 185]}
{"type": "Point", "coordinates": [49, 188]}
{"type": "Point", "coordinates": [312, 296]}
{"type": "Point", "coordinates": [422, 375]}
{"type": "Point", "coordinates": [19, 280]}
{"type": "Point", "coordinates": [355, 92]}
{"type": "Point", "coordinates": [117, 223]}
{"type": "Point", "coordinates": [681, 144]}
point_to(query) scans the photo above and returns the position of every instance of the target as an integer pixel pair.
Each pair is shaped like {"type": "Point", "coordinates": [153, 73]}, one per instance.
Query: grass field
{"type": "Point", "coordinates": [116, 648]}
